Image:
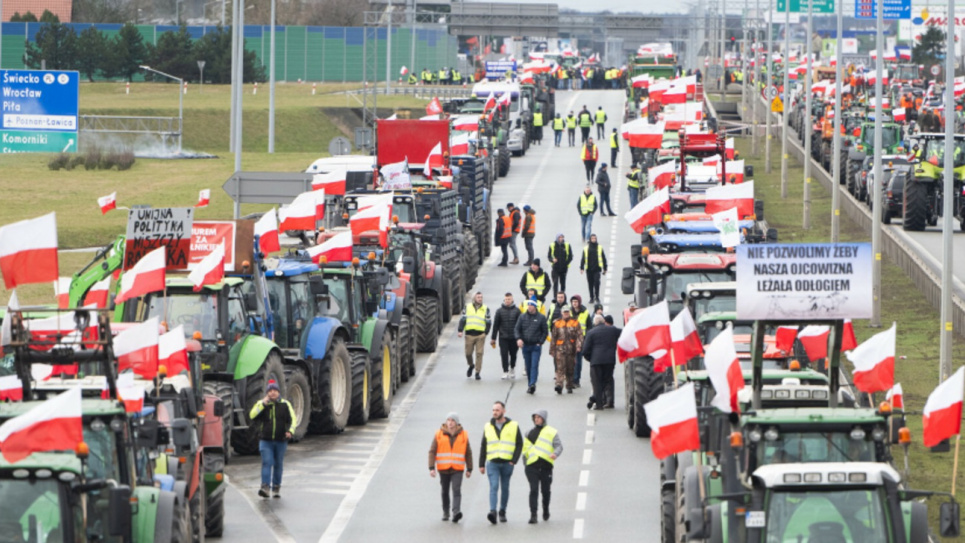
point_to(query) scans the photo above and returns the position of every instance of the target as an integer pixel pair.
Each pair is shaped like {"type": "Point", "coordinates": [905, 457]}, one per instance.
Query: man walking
{"type": "Point", "coordinates": [634, 179]}
{"type": "Point", "coordinates": [557, 130]}
{"type": "Point", "coordinates": [571, 129]}
{"type": "Point", "coordinates": [451, 455]}
{"type": "Point", "coordinates": [587, 207]}
{"type": "Point", "coordinates": [600, 349]}
{"type": "Point", "coordinates": [535, 278]}
{"type": "Point", "coordinates": [582, 316]}
{"type": "Point", "coordinates": [541, 448]}
{"type": "Point", "coordinates": [586, 122]}
{"type": "Point", "coordinates": [538, 126]}
{"type": "Point", "coordinates": [603, 187]}
{"type": "Point", "coordinates": [502, 445]}
{"type": "Point", "coordinates": [529, 232]}
{"type": "Point", "coordinates": [475, 323]}
{"type": "Point", "coordinates": [504, 232]}
{"type": "Point", "coordinates": [504, 331]}
{"type": "Point", "coordinates": [514, 215]}
{"type": "Point", "coordinates": [614, 146]}
{"type": "Point", "coordinates": [594, 264]}
{"type": "Point", "coordinates": [560, 255]}
{"type": "Point", "coordinates": [556, 308]}
{"type": "Point", "coordinates": [278, 422]}
{"type": "Point", "coordinates": [589, 155]}
{"type": "Point", "coordinates": [566, 340]}
{"type": "Point", "coordinates": [600, 122]}
{"type": "Point", "coordinates": [531, 332]}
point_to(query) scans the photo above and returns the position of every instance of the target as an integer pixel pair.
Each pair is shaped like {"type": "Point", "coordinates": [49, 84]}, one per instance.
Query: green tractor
{"type": "Point", "coordinates": [924, 194]}
{"type": "Point", "coordinates": [863, 145]}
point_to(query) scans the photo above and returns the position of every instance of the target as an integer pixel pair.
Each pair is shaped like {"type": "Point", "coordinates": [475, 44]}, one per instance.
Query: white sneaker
{"type": "Point", "coordinates": [524, 373]}
{"type": "Point", "coordinates": [505, 375]}
{"type": "Point", "coordinates": [512, 374]}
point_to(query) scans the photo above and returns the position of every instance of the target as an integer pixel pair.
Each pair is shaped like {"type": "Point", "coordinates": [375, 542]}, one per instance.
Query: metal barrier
{"type": "Point", "coordinates": [168, 130]}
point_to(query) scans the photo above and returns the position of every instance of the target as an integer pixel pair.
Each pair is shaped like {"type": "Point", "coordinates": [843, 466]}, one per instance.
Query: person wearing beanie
{"type": "Point", "coordinates": [517, 221]}
{"type": "Point", "coordinates": [535, 278]}
{"type": "Point", "coordinates": [502, 445]}
{"type": "Point", "coordinates": [503, 234]}
{"type": "Point", "coordinates": [529, 232]}
{"type": "Point", "coordinates": [560, 255]}
{"type": "Point", "coordinates": [451, 455]}
{"type": "Point", "coordinates": [587, 207]}
{"type": "Point", "coordinates": [566, 340]}
{"type": "Point", "coordinates": [504, 326]}
{"type": "Point", "coordinates": [603, 187]}
{"type": "Point", "coordinates": [475, 323]}
{"type": "Point", "coordinates": [582, 315]}
{"type": "Point", "coordinates": [531, 332]}
{"type": "Point", "coordinates": [614, 146]}
{"type": "Point", "coordinates": [589, 154]}
{"type": "Point", "coordinates": [541, 448]}
{"type": "Point", "coordinates": [593, 264]}
{"type": "Point", "coordinates": [278, 421]}
{"type": "Point", "coordinates": [600, 350]}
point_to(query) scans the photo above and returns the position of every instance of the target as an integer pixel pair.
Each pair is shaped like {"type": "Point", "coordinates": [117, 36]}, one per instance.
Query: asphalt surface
{"type": "Point", "coordinates": [372, 482]}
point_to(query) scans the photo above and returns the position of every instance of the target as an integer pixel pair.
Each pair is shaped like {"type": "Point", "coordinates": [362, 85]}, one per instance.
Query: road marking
{"type": "Point", "coordinates": [584, 478]}
{"type": "Point", "coordinates": [581, 501]}
{"type": "Point", "coordinates": [590, 419]}
{"type": "Point", "coordinates": [578, 529]}
{"type": "Point", "coordinates": [263, 509]}
{"type": "Point", "coordinates": [587, 456]}
{"type": "Point", "coordinates": [589, 437]}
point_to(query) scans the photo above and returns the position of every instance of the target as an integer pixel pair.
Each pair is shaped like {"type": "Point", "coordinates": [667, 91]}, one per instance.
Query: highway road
{"type": "Point", "coordinates": [372, 482]}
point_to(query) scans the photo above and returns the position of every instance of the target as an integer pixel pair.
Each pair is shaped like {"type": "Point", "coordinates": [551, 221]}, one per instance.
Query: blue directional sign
{"type": "Point", "coordinates": [496, 69]}
{"type": "Point", "coordinates": [893, 9]}
{"type": "Point", "coordinates": [38, 111]}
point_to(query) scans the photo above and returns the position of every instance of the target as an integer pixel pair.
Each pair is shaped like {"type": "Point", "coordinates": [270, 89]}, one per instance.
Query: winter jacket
{"type": "Point", "coordinates": [567, 338]}
{"type": "Point", "coordinates": [452, 439]}
{"type": "Point", "coordinates": [531, 328]}
{"type": "Point", "coordinates": [541, 277]}
{"type": "Point", "coordinates": [589, 260]}
{"type": "Point", "coordinates": [600, 345]}
{"type": "Point", "coordinates": [517, 452]}
{"type": "Point", "coordinates": [516, 220]}
{"type": "Point", "coordinates": [528, 231]}
{"type": "Point", "coordinates": [603, 181]}
{"type": "Point", "coordinates": [275, 419]}
{"type": "Point", "coordinates": [533, 435]}
{"type": "Point", "coordinates": [504, 323]}
{"type": "Point", "coordinates": [563, 253]}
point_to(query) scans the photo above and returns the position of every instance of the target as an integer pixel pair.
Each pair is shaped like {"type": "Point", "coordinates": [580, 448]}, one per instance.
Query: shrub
{"type": "Point", "coordinates": [125, 160]}
{"type": "Point", "coordinates": [93, 158]}
{"type": "Point", "coordinates": [108, 160]}
{"type": "Point", "coordinates": [76, 160]}
{"type": "Point", "coordinates": [58, 161]}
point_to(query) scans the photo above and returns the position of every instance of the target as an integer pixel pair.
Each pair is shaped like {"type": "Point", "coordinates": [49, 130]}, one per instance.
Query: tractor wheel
{"type": "Point", "coordinates": [885, 214]}
{"type": "Point", "coordinates": [844, 168]}
{"type": "Point", "coordinates": [503, 161]}
{"type": "Point", "coordinates": [470, 258]}
{"type": "Point", "coordinates": [397, 360]}
{"type": "Point", "coordinates": [196, 508]}
{"type": "Point", "coordinates": [426, 327]}
{"type": "Point", "coordinates": [458, 287]}
{"type": "Point", "coordinates": [916, 206]}
{"type": "Point", "coordinates": [246, 441]}
{"type": "Point", "coordinates": [334, 391]}
{"type": "Point", "coordinates": [361, 382]}
{"type": "Point", "coordinates": [181, 526]}
{"type": "Point", "coordinates": [406, 352]}
{"type": "Point", "coordinates": [628, 390]}
{"type": "Point", "coordinates": [214, 506]}
{"type": "Point", "coordinates": [647, 386]}
{"type": "Point", "coordinates": [300, 396]}
{"type": "Point", "coordinates": [382, 377]}
{"type": "Point", "coordinates": [668, 525]}
{"type": "Point", "coordinates": [226, 394]}
{"type": "Point", "coordinates": [445, 305]}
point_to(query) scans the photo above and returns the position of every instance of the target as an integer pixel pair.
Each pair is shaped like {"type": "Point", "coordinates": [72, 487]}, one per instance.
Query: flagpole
{"type": "Point", "coordinates": [958, 441]}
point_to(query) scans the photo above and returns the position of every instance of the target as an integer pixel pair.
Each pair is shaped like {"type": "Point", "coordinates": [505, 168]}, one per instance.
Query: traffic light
{"type": "Point", "coordinates": [733, 43]}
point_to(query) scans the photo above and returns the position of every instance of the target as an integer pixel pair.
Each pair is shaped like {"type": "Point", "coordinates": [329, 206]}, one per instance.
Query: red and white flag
{"type": "Point", "coordinates": [28, 252]}
{"type": "Point", "coordinates": [338, 248]}
{"type": "Point", "coordinates": [434, 160]}
{"type": "Point", "coordinates": [459, 144]}
{"type": "Point", "coordinates": [724, 371]}
{"type": "Point", "coordinates": [62, 291]}
{"type": "Point", "coordinates": [133, 398]}
{"type": "Point", "coordinates": [663, 175]}
{"type": "Point", "coordinates": [711, 161]}
{"type": "Point", "coordinates": [848, 341]}
{"type": "Point", "coordinates": [672, 418]}
{"type": "Point", "coordinates": [896, 397]}
{"type": "Point", "coordinates": [5, 327]}
{"type": "Point", "coordinates": [434, 107]}
{"type": "Point", "coordinates": [646, 136]}
{"type": "Point", "coordinates": [686, 340]}
{"type": "Point", "coordinates": [173, 351]}
{"type": "Point", "coordinates": [469, 123]}
{"type": "Point", "coordinates": [641, 81]}
{"type": "Point", "coordinates": [303, 211]}
{"type": "Point", "coordinates": [814, 338]}
{"type": "Point", "coordinates": [874, 362]}
{"type": "Point", "coordinates": [137, 348]}
{"type": "Point", "coordinates": [724, 197]}
{"type": "Point", "coordinates": [107, 203]}
{"type": "Point", "coordinates": [99, 294]}
{"type": "Point", "coordinates": [490, 103]}
{"type": "Point", "coordinates": [733, 170]}
{"type": "Point", "coordinates": [210, 270]}
{"type": "Point", "coordinates": [505, 99]}
{"type": "Point", "coordinates": [943, 410]}
{"type": "Point", "coordinates": [898, 114]}
{"type": "Point", "coordinates": [784, 338]}
{"type": "Point", "coordinates": [267, 231]}
{"type": "Point", "coordinates": [650, 211]}
{"type": "Point", "coordinates": [675, 95]}
{"type": "Point", "coordinates": [403, 70]}
{"type": "Point", "coordinates": [647, 332]}
{"type": "Point", "coordinates": [332, 183]}
{"type": "Point", "coordinates": [11, 388]}
{"type": "Point", "coordinates": [373, 218]}
{"type": "Point", "coordinates": [145, 277]}
{"type": "Point", "coordinates": [54, 425]}
{"type": "Point", "coordinates": [204, 198]}
{"type": "Point", "coordinates": [729, 148]}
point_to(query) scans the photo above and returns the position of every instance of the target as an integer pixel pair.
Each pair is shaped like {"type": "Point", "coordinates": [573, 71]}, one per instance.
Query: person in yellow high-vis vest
{"type": "Point", "coordinates": [557, 130]}
{"type": "Point", "coordinates": [475, 323]}
{"type": "Point", "coordinates": [593, 264]}
{"type": "Point", "coordinates": [614, 146]}
{"type": "Point", "coordinates": [502, 445]}
{"type": "Point", "coordinates": [600, 121]}
{"type": "Point", "coordinates": [541, 448]}
{"type": "Point", "coordinates": [571, 129]}
{"type": "Point", "coordinates": [538, 126]}
{"type": "Point", "coordinates": [451, 455]}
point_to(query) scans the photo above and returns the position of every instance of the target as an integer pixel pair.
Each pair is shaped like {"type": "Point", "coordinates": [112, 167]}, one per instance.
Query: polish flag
{"type": "Point", "coordinates": [490, 103]}
{"type": "Point", "coordinates": [646, 136]}
{"type": "Point", "coordinates": [373, 218]}
{"type": "Point", "coordinates": [646, 333]}
{"type": "Point", "coordinates": [504, 99]}
{"type": "Point", "coordinates": [898, 114]}
{"type": "Point", "coordinates": [146, 276]}
{"type": "Point", "coordinates": [210, 270]}
{"type": "Point", "coordinates": [896, 397]}
{"type": "Point", "coordinates": [28, 251]}
{"type": "Point", "coordinates": [62, 291]}
{"type": "Point", "coordinates": [672, 418]}
{"type": "Point", "coordinates": [675, 95]}
{"type": "Point", "coordinates": [874, 362]}
{"type": "Point", "coordinates": [107, 203]}
{"type": "Point", "coordinates": [303, 211]}
{"type": "Point", "coordinates": [873, 76]}
{"type": "Point", "coordinates": [54, 425]}
{"type": "Point", "coordinates": [943, 410]}
{"type": "Point", "coordinates": [5, 327]}
{"type": "Point", "coordinates": [686, 341]}
{"type": "Point", "coordinates": [650, 211]}
{"type": "Point", "coordinates": [98, 294]}
{"type": "Point", "coordinates": [848, 341]}
{"type": "Point", "coordinates": [434, 160]}
{"type": "Point", "coordinates": [137, 348]}
{"type": "Point", "coordinates": [435, 117]}
{"type": "Point", "coordinates": [733, 169]}
{"type": "Point", "coordinates": [204, 198]}
{"type": "Point", "coordinates": [172, 351]}
{"type": "Point", "coordinates": [459, 145]}
{"type": "Point", "coordinates": [724, 371]}
{"type": "Point", "coordinates": [729, 148]}
{"type": "Point", "coordinates": [657, 90]}
{"type": "Point", "coordinates": [332, 183]}
{"type": "Point", "coordinates": [133, 398]}
{"type": "Point", "coordinates": [815, 341]}
{"type": "Point", "coordinates": [267, 231]}
{"type": "Point", "coordinates": [784, 338]}
{"type": "Point", "coordinates": [372, 200]}
{"type": "Point", "coordinates": [469, 123]}
{"type": "Point", "coordinates": [640, 81]}
{"type": "Point", "coordinates": [711, 161]}
{"type": "Point", "coordinates": [689, 83]}
{"type": "Point", "coordinates": [434, 107]}
{"type": "Point", "coordinates": [338, 248]}
{"type": "Point", "coordinates": [11, 389]}
{"type": "Point", "coordinates": [724, 197]}
{"type": "Point", "coordinates": [663, 175]}
{"type": "Point", "coordinates": [403, 71]}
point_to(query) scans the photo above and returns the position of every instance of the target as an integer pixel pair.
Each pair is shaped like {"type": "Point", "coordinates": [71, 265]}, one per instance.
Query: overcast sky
{"type": "Point", "coordinates": [643, 6]}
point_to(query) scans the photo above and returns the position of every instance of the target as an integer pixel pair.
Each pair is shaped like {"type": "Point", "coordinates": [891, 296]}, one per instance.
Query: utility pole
{"type": "Point", "coordinates": [836, 147]}
{"type": "Point", "coordinates": [388, 47]}
{"type": "Point", "coordinates": [234, 72]}
{"type": "Point", "coordinates": [755, 91]}
{"type": "Point", "coordinates": [271, 84]}
{"type": "Point", "coordinates": [415, 15]}
{"type": "Point", "coordinates": [948, 255]}
{"type": "Point", "coordinates": [768, 116]}
{"type": "Point", "coordinates": [785, 123]}
{"type": "Point", "coordinates": [806, 125]}
{"type": "Point", "coordinates": [879, 173]}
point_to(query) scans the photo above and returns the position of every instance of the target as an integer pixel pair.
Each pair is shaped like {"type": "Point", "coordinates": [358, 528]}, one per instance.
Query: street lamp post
{"type": "Point", "coordinates": [180, 100]}
{"type": "Point", "coordinates": [271, 84]}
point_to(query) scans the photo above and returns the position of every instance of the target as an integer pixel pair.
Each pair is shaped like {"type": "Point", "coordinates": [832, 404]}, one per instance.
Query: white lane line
{"type": "Point", "coordinates": [587, 456]}
{"type": "Point", "coordinates": [584, 478]}
{"type": "Point", "coordinates": [581, 501]}
{"type": "Point", "coordinates": [589, 437]}
{"type": "Point", "coordinates": [590, 419]}
{"type": "Point", "coordinates": [268, 517]}
{"type": "Point", "coordinates": [578, 529]}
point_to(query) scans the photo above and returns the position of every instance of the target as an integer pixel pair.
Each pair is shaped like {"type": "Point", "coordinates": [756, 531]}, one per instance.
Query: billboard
{"type": "Point", "coordinates": [38, 111]}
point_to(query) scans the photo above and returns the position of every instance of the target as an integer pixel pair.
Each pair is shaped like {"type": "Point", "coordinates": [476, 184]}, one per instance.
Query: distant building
{"type": "Point", "coordinates": [61, 8]}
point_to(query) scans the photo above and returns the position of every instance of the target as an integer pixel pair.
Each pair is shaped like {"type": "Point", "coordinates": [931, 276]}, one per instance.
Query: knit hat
{"type": "Point", "coordinates": [541, 413]}
{"type": "Point", "coordinates": [531, 302]}
{"type": "Point", "coordinates": [536, 261]}
{"type": "Point", "coordinates": [578, 298]}
{"type": "Point", "coordinates": [272, 385]}
{"type": "Point", "coordinates": [527, 208]}
{"type": "Point", "coordinates": [603, 165]}
{"type": "Point", "coordinates": [454, 416]}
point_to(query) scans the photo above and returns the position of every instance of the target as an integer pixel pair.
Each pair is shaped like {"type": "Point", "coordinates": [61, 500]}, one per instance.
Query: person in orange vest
{"type": "Point", "coordinates": [529, 232]}
{"type": "Point", "coordinates": [589, 155]}
{"type": "Point", "coordinates": [504, 232]}
{"type": "Point", "coordinates": [517, 218]}
{"type": "Point", "coordinates": [451, 455]}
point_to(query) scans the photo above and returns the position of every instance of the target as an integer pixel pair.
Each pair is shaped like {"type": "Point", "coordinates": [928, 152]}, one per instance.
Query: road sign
{"type": "Point", "coordinates": [339, 145]}
{"type": "Point", "coordinates": [777, 106]}
{"type": "Point", "coordinates": [801, 6]}
{"type": "Point", "coordinates": [935, 70]}
{"type": "Point", "coordinates": [38, 111]}
{"type": "Point", "coordinates": [496, 69]}
{"type": "Point", "coordinates": [893, 9]}
{"type": "Point", "coordinates": [771, 92]}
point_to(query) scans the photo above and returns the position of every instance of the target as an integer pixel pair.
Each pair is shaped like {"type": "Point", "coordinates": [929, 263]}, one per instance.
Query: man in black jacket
{"type": "Point", "coordinates": [531, 332]}
{"type": "Point", "coordinates": [278, 422]}
{"type": "Point", "coordinates": [600, 349]}
{"type": "Point", "coordinates": [498, 457]}
{"type": "Point", "coordinates": [603, 187]}
{"type": "Point", "coordinates": [594, 264]}
{"type": "Point", "coordinates": [560, 255]}
{"type": "Point", "coordinates": [535, 278]}
{"type": "Point", "coordinates": [504, 331]}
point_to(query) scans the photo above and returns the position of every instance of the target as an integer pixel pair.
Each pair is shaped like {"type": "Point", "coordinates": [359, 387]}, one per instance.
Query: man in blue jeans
{"type": "Point", "coordinates": [502, 445]}
{"type": "Point", "coordinates": [531, 331]}
{"type": "Point", "coordinates": [278, 422]}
